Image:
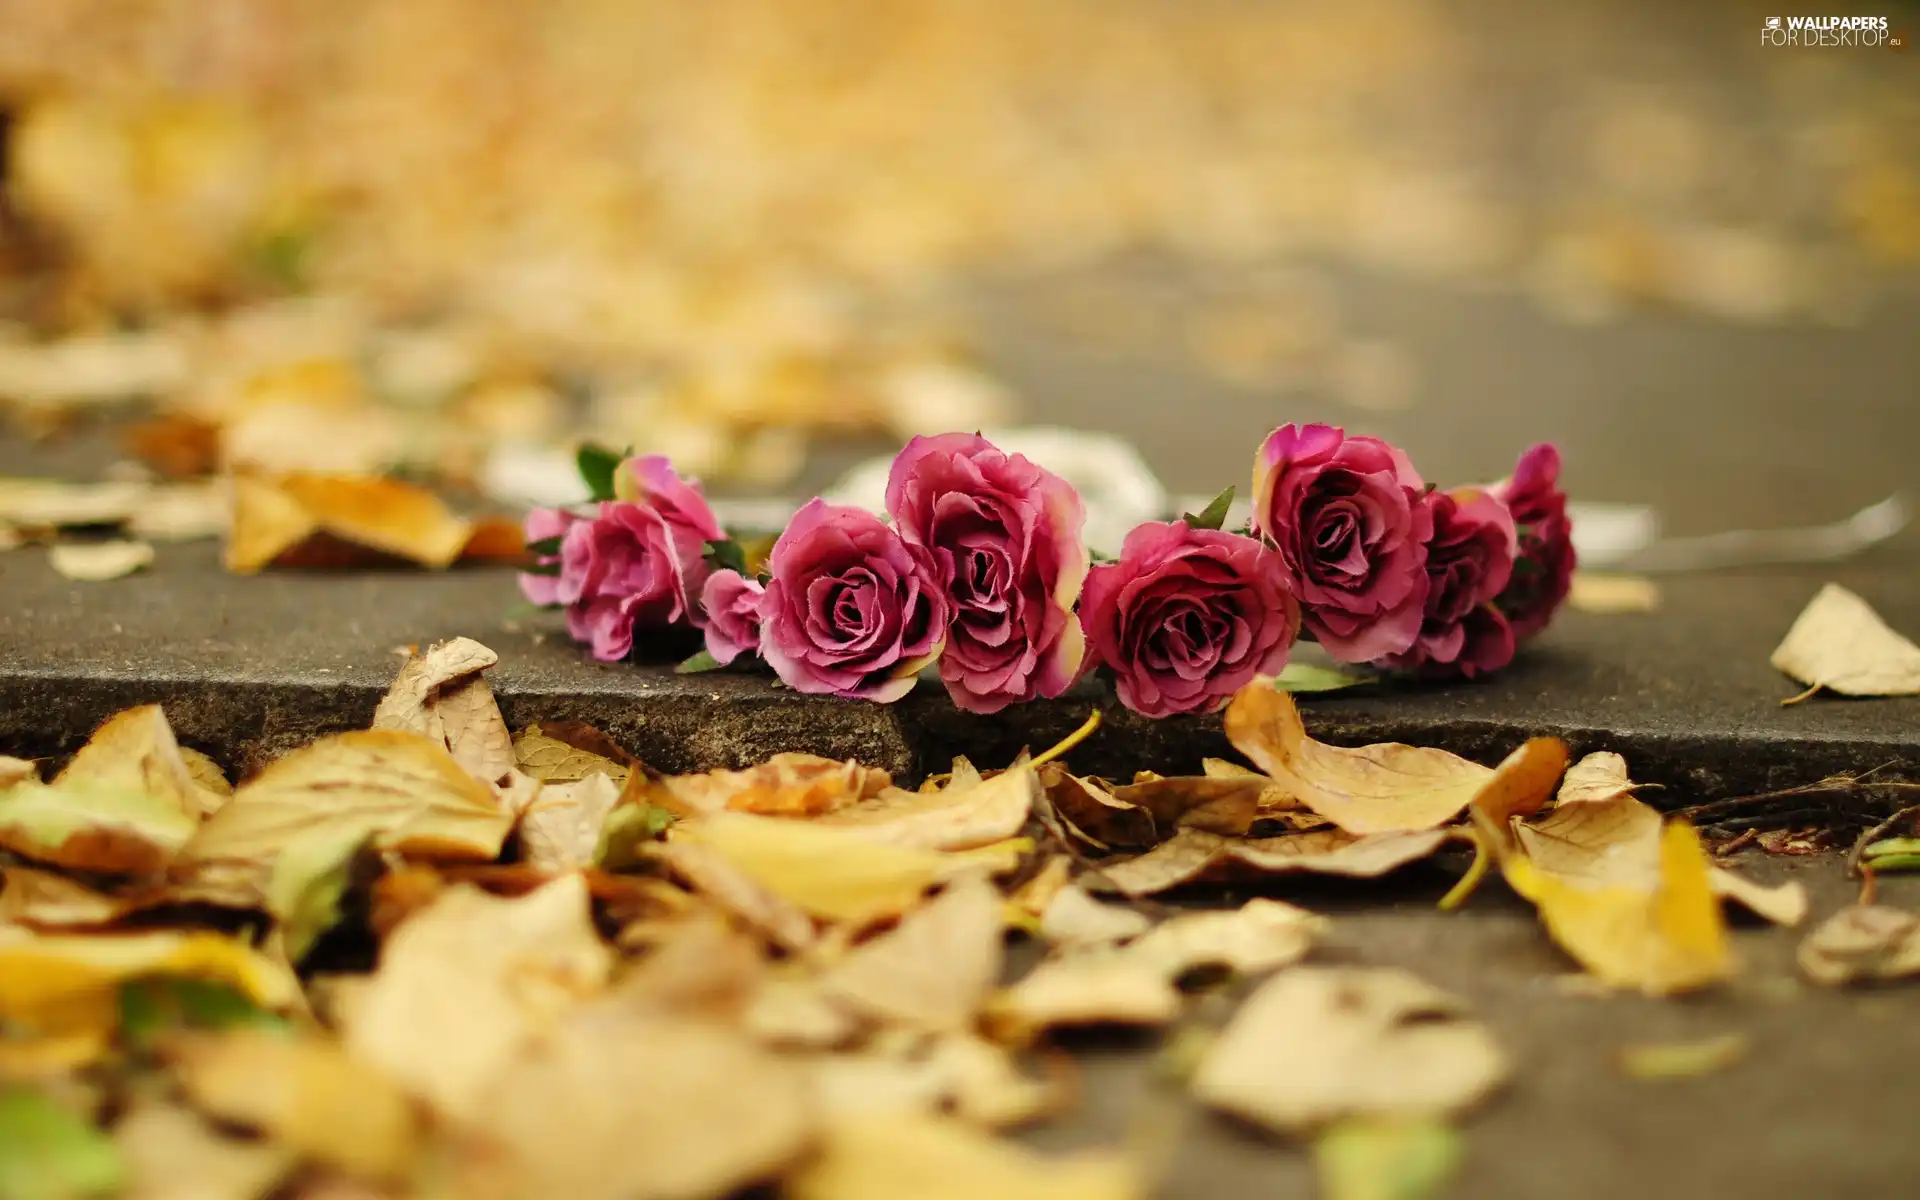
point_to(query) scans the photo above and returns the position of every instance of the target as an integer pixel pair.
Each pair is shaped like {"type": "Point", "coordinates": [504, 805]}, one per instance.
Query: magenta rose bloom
{"type": "Point", "coordinates": [1469, 560]}
{"type": "Point", "coordinates": [1005, 539]}
{"type": "Point", "coordinates": [1188, 617]}
{"type": "Point", "coordinates": [731, 602]}
{"type": "Point", "coordinates": [1346, 516]}
{"type": "Point", "coordinates": [639, 562]}
{"type": "Point", "coordinates": [543, 524]}
{"type": "Point", "coordinates": [852, 609]}
{"type": "Point", "coordinates": [1543, 570]}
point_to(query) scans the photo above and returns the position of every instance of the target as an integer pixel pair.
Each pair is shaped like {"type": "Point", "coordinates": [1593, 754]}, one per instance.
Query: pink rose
{"type": "Point", "coordinates": [639, 562]}
{"type": "Point", "coordinates": [1188, 617]}
{"type": "Point", "coordinates": [1469, 560]}
{"type": "Point", "coordinates": [1005, 539]}
{"type": "Point", "coordinates": [547, 524]}
{"type": "Point", "coordinates": [731, 602]}
{"type": "Point", "coordinates": [1346, 516]}
{"type": "Point", "coordinates": [1543, 571]}
{"type": "Point", "coordinates": [852, 609]}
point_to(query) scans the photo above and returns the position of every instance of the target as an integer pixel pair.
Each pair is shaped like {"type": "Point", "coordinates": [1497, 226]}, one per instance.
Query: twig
{"type": "Point", "coordinates": [1873, 835]}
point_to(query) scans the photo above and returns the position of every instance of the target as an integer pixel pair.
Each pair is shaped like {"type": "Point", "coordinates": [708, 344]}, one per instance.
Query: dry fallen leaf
{"type": "Point", "coordinates": [274, 516]}
{"type": "Point", "coordinates": [1373, 789]}
{"type": "Point", "coordinates": [1681, 1060]}
{"type": "Point", "coordinates": [831, 873]}
{"type": "Point", "coordinates": [1260, 935]}
{"type": "Point", "coordinates": [466, 983]}
{"type": "Point", "coordinates": [554, 760]}
{"type": "Point", "coordinates": [1599, 776]}
{"type": "Point", "coordinates": [405, 790]}
{"type": "Point", "coordinates": [443, 696]}
{"type": "Point", "coordinates": [968, 813]}
{"type": "Point", "coordinates": [1192, 856]}
{"type": "Point", "coordinates": [560, 830]}
{"type": "Point", "coordinates": [53, 504]}
{"type": "Point", "coordinates": [70, 983]}
{"type": "Point", "coordinates": [305, 1094]}
{"type": "Point", "coordinates": [1839, 643]}
{"type": "Point", "coordinates": [1027, 902]}
{"type": "Point", "coordinates": [1092, 815]}
{"type": "Point", "coordinates": [97, 562]}
{"type": "Point", "coordinates": [1669, 939]}
{"type": "Point", "coordinates": [974, 1079]}
{"type": "Point", "coordinates": [46, 900]}
{"type": "Point", "coordinates": [679, 1109]}
{"type": "Point", "coordinates": [1862, 942]}
{"type": "Point", "coordinates": [934, 969]}
{"type": "Point", "coordinates": [1075, 920]}
{"type": "Point", "coordinates": [182, 512]}
{"type": "Point", "coordinates": [1610, 595]}
{"type": "Point", "coordinates": [135, 751]}
{"type": "Point", "coordinates": [1316, 1044]}
{"type": "Point", "coordinates": [173, 1154]}
{"type": "Point", "coordinates": [13, 770]}
{"type": "Point", "coordinates": [786, 785]}
{"type": "Point", "coordinates": [92, 828]}
{"type": "Point", "coordinates": [1094, 987]}
{"type": "Point", "coordinates": [928, 1158]}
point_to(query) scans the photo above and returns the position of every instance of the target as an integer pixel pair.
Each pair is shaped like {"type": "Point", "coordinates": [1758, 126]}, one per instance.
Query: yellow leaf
{"type": "Point", "coordinates": [303, 1093]}
{"type": "Point", "coordinates": [85, 827]}
{"type": "Point", "coordinates": [466, 983]}
{"type": "Point", "coordinates": [1372, 789]}
{"type": "Point", "coordinates": [212, 780]}
{"type": "Point", "coordinates": [1839, 643]}
{"type": "Point", "coordinates": [1373, 1159]}
{"type": "Point", "coordinates": [1260, 935]}
{"type": "Point", "coordinates": [135, 751]}
{"type": "Point", "coordinates": [1031, 898]}
{"type": "Point", "coordinates": [786, 785]}
{"type": "Point", "coordinates": [929, 1158]}
{"type": "Point", "coordinates": [714, 876]}
{"type": "Point", "coordinates": [45, 900]}
{"type": "Point", "coordinates": [1317, 1044]}
{"type": "Point", "coordinates": [833, 874]}
{"type": "Point", "coordinates": [1670, 939]}
{"type": "Point", "coordinates": [273, 515]}
{"type": "Point", "coordinates": [961, 816]}
{"type": "Point", "coordinates": [406, 791]}
{"type": "Point", "coordinates": [442, 696]}
{"type": "Point", "coordinates": [934, 969]}
{"type": "Point", "coordinates": [552, 760]}
{"type": "Point", "coordinates": [13, 770]}
{"type": "Point", "coordinates": [70, 983]}
{"type": "Point", "coordinates": [173, 1154]}
{"type": "Point", "coordinates": [680, 1108]}
{"type": "Point", "coordinates": [1192, 856]}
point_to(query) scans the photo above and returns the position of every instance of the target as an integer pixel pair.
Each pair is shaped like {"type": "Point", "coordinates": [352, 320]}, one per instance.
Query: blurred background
{"type": "Point", "coordinates": [451, 238]}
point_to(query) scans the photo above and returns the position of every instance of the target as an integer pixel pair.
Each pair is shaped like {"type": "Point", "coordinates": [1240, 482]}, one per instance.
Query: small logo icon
{"type": "Point", "coordinates": [1773, 22]}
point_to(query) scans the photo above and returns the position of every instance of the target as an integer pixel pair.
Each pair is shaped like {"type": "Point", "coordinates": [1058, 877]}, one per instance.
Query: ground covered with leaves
{"type": "Point", "coordinates": [437, 958]}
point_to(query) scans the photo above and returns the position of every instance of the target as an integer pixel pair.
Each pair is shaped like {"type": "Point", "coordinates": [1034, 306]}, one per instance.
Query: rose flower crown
{"type": "Point", "coordinates": [979, 567]}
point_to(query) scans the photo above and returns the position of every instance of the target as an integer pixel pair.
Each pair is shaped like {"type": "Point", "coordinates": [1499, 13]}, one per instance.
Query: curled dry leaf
{"type": "Point", "coordinates": [1260, 935]}
{"type": "Point", "coordinates": [554, 760]}
{"type": "Point", "coordinates": [1075, 920]}
{"type": "Point", "coordinates": [97, 562]}
{"type": "Point", "coordinates": [786, 785]}
{"type": "Point", "coordinates": [835, 874]}
{"type": "Point", "coordinates": [934, 969]}
{"type": "Point", "coordinates": [974, 1079]}
{"type": "Point", "coordinates": [1669, 939]}
{"type": "Point", "coordinates": [931, 1158]}
{"type": "Point", "coordinates": [309, 880]}
{"type": "Point", "coordinates": [55, 504]}
{"type": "Point", "coordinates": [1372, 789]}
{"type": "Point", "coordinates": [680, 1108]}
{"type": "Point", "coordinates": [86, 827]}
{"type": "Point", "coordinates": [305, 1094]}
{"type": "Point", "coordinates": [1599, 776]}
{"type": "Point", "coordinates": [466, 983]}
{"type": "Point", "coordinates": [70, 983]}
{"type": "Point", "coordinates": [1091, 814]}
{"type": "Point", "coordinates": [1317, 1044]}
{"type": "Point", "coordinates": [698, 965]}
{"type": "Point", "coordinates": [968, 813]}
{"type": "Point", "coordinates": [46, 900]}
{"type": "Point", "coordinates": [135, 751]}
{"type": "Point", "coordinates": [714, 876]}
{"type": "Point", "coordinates": [560, 830]}
{"type": "Point", "coordinates": [173, 1154]}
{"type": "Point", "coordinates": [1096, 987]}
{"type": "Point", "coordinates": [212, 780]}
{"type": "Point", "coordinates": [274, 516]}
{"type": "Point", "coordinates": [403, 789]}
{"type": "Point", "coordinates": [1523, 783]}
{"type": "Point", "coordinates": [13, 770]}
{"type": "Point", "coordinates": [1861, 943]}
{"type": "Point", "coordinates": [1193, 856]}
{"type": "Point", "coordinates": [442, 696]}
{"type": "Point", "coordinates": [1839, 643]}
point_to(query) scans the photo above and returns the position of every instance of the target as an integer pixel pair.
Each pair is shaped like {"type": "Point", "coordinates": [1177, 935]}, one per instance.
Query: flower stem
{"type": "Point", "coordinates": [1070, 741]}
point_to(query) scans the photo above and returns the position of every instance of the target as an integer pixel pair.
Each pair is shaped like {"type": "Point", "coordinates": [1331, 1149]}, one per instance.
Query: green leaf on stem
{"type": "Point", "coordinates": [1214, 515]}
{"type": "Point", "coordinates": [597, 466]}
{"type": "Point", "coordinates": [698, 664]}
{"type": "Point", "coordinates": [1312, 677]}
{"type": "Point", "coordinates": [728, 555]}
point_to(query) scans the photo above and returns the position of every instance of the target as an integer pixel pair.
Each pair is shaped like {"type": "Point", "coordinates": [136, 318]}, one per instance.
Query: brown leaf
{"type": "Point", "coordinates": [1093, 815]}
{"type": "Point", "coordinates": [1524, 781]}
{"type": "Point", "coordinates": [46, 900]}
{"type": "Point", "coordinates": [552, 760]}
{"type": "Point", "coordinates": [786, 785]}
{"type": "Point", "coordinates": [934, 969]}
{"type": "Point", "coordinates": [467, 983]}
{"type": "Point", "coordinates": [974, 1079]}
{"type": "Point", "coordinates": [212, 780]}
{"type": "Point", "coordinates": [177, 445]}
{"type": "Point", "coordinates": [1030, 899]}
{"type": "Point", "coordinates": [135, 751]}
{"type": "Point", "coordinates": [929, 1158]}
{"type": "Point", "coordinates": [699, 965]}
{"type": "Point", "coordinates": [1373, 789]}
{"type": "Point", "coordinates": [1096, 987]}
{"type": "Point", "coordinates": [173, 1154]}
{"type": "Point", "coordinates": [1193, 856]}
{"type": "Point", "coordinates": [1317, 1044]}
{"type": "Point", "coordinates": [1260, 935]}
{"type": "Point", "coordinates": [405, 790]}
{"type": "Point", "coordinates": [966, 814]}
{"type": "Point", "coordinates": [1599, 776]}
{"type": "Point", "coordinates": [681, 1108]}
{"type": "Point", "coordinates": [1862, 942]}
{"type": "Point", "coordinates": [442, 696]}
{"type": "Point", "coordinates": [1839, 643]}
{"type": "Point", "coordinates": [561, 829]}
{"type": "Point", "coordinates": [275, 515]}
{"type": "Point", "coordinates": [1075, 920]}
{"type": "Point", "coordinates": [304, 1094]}
{"type": "Point", "coordinates": [97, 562]}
